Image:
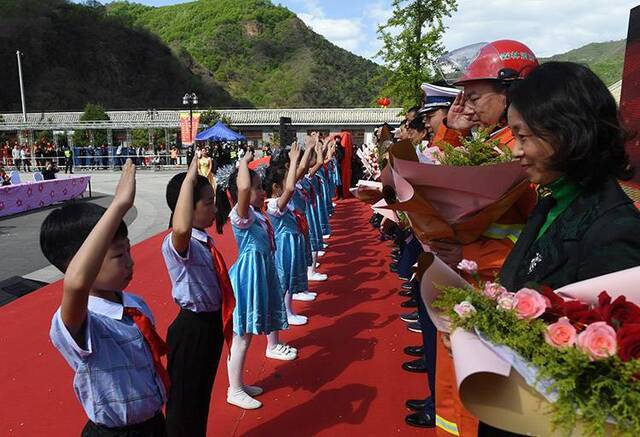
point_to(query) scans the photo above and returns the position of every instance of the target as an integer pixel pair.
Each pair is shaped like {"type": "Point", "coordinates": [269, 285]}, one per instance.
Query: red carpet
{"type": "Point", "coordinates": [346, 381]}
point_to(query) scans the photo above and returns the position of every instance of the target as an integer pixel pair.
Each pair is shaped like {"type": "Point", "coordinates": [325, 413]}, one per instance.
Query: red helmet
{"type": "Point", "coordinates": [504, 60]}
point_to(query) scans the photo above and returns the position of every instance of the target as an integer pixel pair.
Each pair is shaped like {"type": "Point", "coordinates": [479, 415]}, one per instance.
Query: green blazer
{"type": "Point", "coordinates": [598, 233]}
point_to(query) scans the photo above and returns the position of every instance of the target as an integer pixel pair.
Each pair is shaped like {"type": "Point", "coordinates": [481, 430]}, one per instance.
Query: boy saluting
{"type": "Point", "coordinates": [106, 335]}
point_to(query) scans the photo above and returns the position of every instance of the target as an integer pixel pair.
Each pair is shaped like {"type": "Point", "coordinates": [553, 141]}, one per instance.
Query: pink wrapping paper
{"type": "Point", "coordinates": [455, 192]}
{"type": "Point", "coordinates": [379, 208]}
{"type": "Point", "coordinates": [624, 282]}
{"type": "Point", "coordinates": [439, 274]}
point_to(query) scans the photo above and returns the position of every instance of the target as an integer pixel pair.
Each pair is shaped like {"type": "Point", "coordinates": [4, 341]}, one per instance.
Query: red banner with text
{"type": "Point", "coordinates": [188, 135]}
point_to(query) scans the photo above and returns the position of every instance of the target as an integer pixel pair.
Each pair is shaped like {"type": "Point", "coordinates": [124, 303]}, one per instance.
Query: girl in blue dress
{"type": "Point", "coordinates": [291, 261]}
{"type": "Point", "coordinates": [259, 296]}
{"type": "Point", "coordinates": [316, 213]}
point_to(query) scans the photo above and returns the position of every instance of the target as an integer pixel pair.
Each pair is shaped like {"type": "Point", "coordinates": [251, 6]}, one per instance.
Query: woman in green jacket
{"type": "Point", "coordinates": [571, 143]}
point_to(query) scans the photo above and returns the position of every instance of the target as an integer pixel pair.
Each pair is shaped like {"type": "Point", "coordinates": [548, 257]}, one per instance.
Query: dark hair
{"type": "Point", "coordinates": [417, 124]}
{"type": "Point", "coordinates": [65, 229]}
{"type": "Point", "coordinates": [173, 191]}
{"type": "Point", "coordinates": [223, 206]}
{"type": "Point", "coordinates": [571, 108]}
{"type": "Point", "coordinates": [413, 109]}
{"type": "Point", "coordinates": [274, 175]}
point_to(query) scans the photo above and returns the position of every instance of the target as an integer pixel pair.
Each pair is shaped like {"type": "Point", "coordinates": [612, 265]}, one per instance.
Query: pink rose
{"type": "Point", "coordinates": [598, 341]}
{"type": "Point", "coordinates": [464, 309]}
{"type": "Point", "coordinates": [493, 290]}
{"type": "Point", "coordinates": [561, 334]}
{"type": "Point", "coordinates": [529, 304]}
{"type": "Point", "coordinates": [468, 266]}
{"type": "Point", "coordinates": [506, 301]}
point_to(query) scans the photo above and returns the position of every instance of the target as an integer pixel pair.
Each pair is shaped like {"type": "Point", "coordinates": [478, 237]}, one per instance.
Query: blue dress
{"type": "Point", "coordinates": [334, 168]}
{"type": "Point", "coordinates": [313, 215]}
{"type": "Point", "coordinates": [291, 260]}
{"type": "Point", "coordinates": [259, 296]}
{"type": "Point", "coordinates": [299, 200]}
{"type": "Point", "coordinates": [321, 204]}
{"type": "Point", "coordinates": [327, 189]}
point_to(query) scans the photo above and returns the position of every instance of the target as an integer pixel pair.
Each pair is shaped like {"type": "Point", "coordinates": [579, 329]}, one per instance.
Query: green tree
{"type": "Point", "coordinates": [211, 117]}
{"type": "Point", "coordinates": [92, 112]}
{"type": "Point", "coordinates": [411, 42]}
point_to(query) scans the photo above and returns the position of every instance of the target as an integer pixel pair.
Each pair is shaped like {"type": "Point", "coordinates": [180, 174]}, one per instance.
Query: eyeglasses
{"type": "Point", "coordinates": [472, 102]}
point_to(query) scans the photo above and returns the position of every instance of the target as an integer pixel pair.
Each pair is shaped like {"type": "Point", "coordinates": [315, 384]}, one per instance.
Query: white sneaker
{"type": "Point", "coordinates": [241, 399]}
{"type": "Point", "coordinates": [321, 253]}
{"type": "Point", "coordinates": [253, 390]}
{"type": "Point", "coordinates": [334, 204]}
{"type": "Point", "coordinates": [290, 347]}
{"type": "Point", "coordinates": [318, 277]}
{"type": "Point", "coordinates": [281, 352]}
{"type": "Point", "coordinates": [303, 297]}
{"type": "Point", "coordinates": [297, 320]}
{"type": "Point", "coordinates": [326, 237]}
{"type": "Point", "coordinates": [317, 265]}
{"type": "Point", "coordinates": [325, 245]}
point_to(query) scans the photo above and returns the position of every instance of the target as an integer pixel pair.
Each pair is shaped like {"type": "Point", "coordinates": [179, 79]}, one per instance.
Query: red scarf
{"type": "Point", "coordinates": [270, 231]}
{"type": "Point", "coordinates": [226, 292]}
{"type": "Point", "coordinates": [156, 344]}
{"type": "Point", "coordinates": [303, 224]}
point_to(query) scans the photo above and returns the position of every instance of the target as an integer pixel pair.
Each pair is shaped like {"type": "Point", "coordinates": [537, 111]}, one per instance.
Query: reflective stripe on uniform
{"type": "Point", "coordinates": [447, 426]}
{"type": "Point", "coordinates": [499, 231]}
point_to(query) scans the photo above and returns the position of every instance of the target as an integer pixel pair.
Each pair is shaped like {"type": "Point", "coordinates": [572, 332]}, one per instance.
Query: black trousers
{"type": "Point", "coordinates": [154, 427]}
{"type": "Point", "coordinates": [195, 343]}
{"type": "Point", "coordinates": [429, 339]}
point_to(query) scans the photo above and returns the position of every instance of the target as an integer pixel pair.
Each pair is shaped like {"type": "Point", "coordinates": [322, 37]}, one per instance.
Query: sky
{"type": "Point", "coordinates": [548, 27]}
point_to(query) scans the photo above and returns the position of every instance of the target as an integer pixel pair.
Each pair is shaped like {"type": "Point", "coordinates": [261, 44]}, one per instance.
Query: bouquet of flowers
{"type": "Point", "coordinates": [370, 159]}
{"type": "Point", "coordinates": [461, 193]}
{"type": "Point", "coordinates": [583, 356]}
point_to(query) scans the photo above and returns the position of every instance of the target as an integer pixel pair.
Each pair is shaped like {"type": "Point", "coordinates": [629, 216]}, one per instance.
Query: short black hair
{"type": "Point", "coordinates": [65, 229]}
{"type": "Point", "coordinates": [274, 175]}
{"type": "Point", "coordinates": [571, 108]}
{"type": "Point", "coordinates": [417, 124]}
{"type": "Point", "coordinates": [173, 191]}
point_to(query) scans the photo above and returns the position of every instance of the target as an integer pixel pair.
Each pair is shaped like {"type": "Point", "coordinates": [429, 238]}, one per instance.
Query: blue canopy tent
{"type": "Point", "coordinates": [219, 132]}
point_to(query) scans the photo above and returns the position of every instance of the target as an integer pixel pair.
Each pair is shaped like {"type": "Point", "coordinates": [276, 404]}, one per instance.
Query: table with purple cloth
{"type": "Point", "coordinates": [30, 195]}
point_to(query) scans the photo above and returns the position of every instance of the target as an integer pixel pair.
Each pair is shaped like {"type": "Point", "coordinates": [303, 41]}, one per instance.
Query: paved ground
{"type": "Point", "coordinates": [19, 234]}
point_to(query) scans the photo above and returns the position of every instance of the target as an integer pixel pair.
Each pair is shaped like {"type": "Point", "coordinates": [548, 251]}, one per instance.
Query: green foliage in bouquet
{"type": "Point", "coordinates": [589, 391]}
{"type": "Point", "coordinates": [479, 149]}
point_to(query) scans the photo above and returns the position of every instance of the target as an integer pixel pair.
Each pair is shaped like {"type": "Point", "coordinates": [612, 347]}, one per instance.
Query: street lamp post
{"type": "Point", "coordinates": [151, 113]}
{"type": "Point", "coordinates": [190, 100]}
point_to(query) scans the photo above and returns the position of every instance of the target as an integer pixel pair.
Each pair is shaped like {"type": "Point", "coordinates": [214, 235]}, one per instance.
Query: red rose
{"type": "Point", "coordinates": [580, 312]}
{"type": "Point", "coordinates": [619, 312]}
{"type": "Point", "coordinates": [556, 302]}
{"type": "Point", "coordinates": [629, 342]}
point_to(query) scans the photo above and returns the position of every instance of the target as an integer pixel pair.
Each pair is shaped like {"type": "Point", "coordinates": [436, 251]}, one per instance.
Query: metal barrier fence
{"type": "Point", "coordinates": [155, 161]}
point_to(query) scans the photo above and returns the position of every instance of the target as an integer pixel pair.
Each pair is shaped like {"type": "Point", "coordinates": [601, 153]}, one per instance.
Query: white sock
{"type": "Point", "coordinates": [235, 363]}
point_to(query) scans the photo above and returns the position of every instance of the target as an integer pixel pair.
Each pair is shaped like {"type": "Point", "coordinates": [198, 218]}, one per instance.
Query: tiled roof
{"type": "Point", "coordinates": [616, 89]}
{"type": "Point", "coordinates": [239, 117]}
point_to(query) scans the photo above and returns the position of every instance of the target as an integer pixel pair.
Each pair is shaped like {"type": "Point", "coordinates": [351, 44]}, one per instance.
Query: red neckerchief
{"type": "Point", "coordinates": [156, 344]}
{"type": "Point", "coordinates": [226, 292]}
{"type": "Point", "coordinates": [301, 221]}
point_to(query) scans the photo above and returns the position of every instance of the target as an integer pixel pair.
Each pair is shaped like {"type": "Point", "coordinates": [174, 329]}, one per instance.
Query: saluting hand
{"type": "Point", "coordinates": [458, 117]}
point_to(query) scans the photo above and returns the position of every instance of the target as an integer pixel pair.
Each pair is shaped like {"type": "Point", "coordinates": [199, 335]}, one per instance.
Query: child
{"type": "Point", "coordinates": [105, 334]}
{"type": "Point", "coordinates": [259, 296]}
{"type": "Point", "coordinates": [317, 213]}
{"type": "Point", "coordinates": [201, 288]}
{"type": "Point", "coordinates": [301, 201]}
{"type": "Point", "coordinates": [291, 262]}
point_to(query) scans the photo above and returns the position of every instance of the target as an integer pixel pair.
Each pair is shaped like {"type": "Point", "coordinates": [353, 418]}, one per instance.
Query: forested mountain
{"type": "Point", "coordinates": [260, 52]}
{"type": "Point", "coordinates": [606, 59]}
{"type": "Point", "coordinates": [232, 53]}
{"type": "Point", "coordinates": [76, 54]}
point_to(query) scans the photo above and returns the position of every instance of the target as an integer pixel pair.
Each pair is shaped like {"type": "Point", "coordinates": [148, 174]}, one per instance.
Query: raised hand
{"type": "Point", "coordinates": [248, 157]}
{"type": "Point", "coordinates": [126, 188]}
{"type": "Point", "coordinates": [294, 153]}
{"type": "Point", "coordinates": [458, 117]}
